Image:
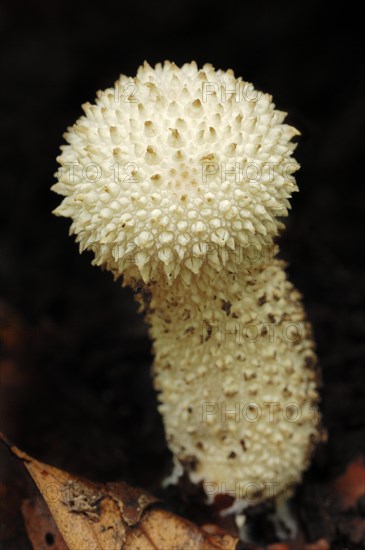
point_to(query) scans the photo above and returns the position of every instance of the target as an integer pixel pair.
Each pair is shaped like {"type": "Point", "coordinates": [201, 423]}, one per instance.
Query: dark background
{"type": "Point", "coordinates": [82, 397]}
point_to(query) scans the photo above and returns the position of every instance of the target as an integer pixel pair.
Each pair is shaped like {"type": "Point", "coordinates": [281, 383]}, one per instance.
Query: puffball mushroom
{"type": "Point", "coordinates": [178, 181]}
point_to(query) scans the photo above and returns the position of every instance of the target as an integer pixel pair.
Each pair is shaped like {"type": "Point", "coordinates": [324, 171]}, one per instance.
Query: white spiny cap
{"type": "Point", "coordinates": [169, 163]}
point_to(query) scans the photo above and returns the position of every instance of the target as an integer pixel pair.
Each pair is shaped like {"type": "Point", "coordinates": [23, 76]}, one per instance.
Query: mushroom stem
{"type": "Point", "coordinates": [236, 375]}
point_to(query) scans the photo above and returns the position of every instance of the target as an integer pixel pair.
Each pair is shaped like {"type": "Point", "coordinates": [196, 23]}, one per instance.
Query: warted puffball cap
{"type": "Point", "coordinates": [169, 167]}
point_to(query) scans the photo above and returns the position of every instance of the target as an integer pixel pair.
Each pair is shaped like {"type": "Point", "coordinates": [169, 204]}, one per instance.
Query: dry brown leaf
{"type": "Point", "coordinates": [41, 528]}
{"type": "Point", "coordinates": [321, 544]}
{"type": "Point", "coordinates": [351, 485]}
{"type": "Point", "coordinates": [292, 545]}
{"type": "Point", "coordinates": [113, 516]}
